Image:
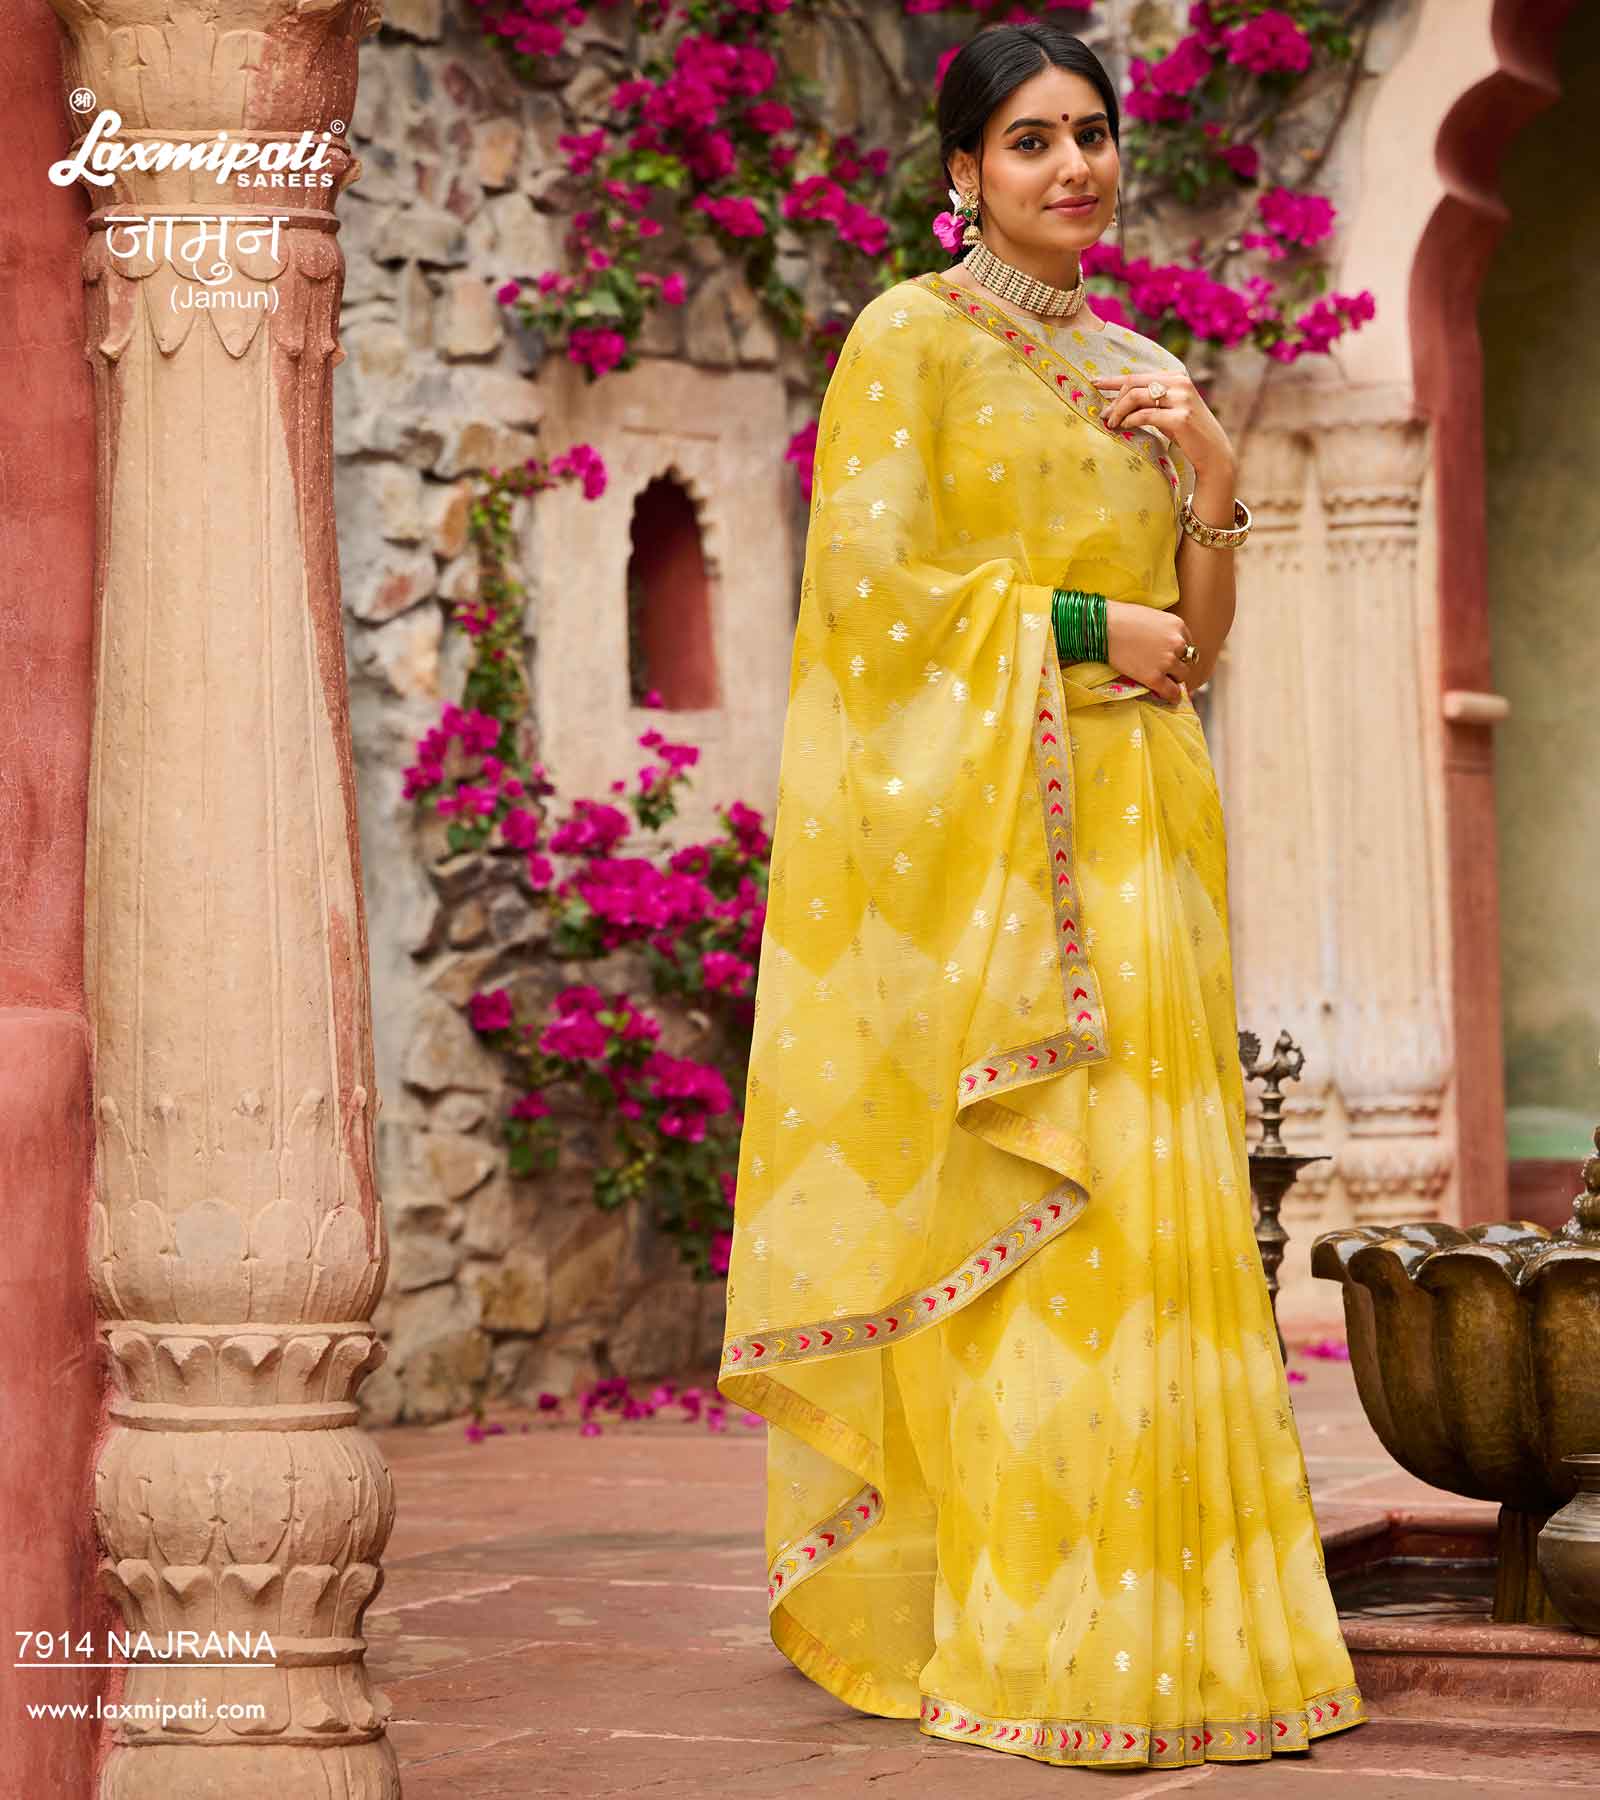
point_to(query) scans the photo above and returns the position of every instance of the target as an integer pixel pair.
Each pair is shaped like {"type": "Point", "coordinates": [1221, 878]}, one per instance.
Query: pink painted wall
{"type": "Point", "coordinates": [50, 1390]}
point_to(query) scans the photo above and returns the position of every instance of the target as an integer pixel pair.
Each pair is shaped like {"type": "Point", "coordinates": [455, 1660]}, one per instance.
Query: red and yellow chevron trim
{"type": "Point", "coordinates": [1069, 384]}
{"type": "Point", "coordinates": [804, 1556]}
{"type": "Point", "coordinates": [1097, 1741]}
{"type": "Point", "coordinates": [1085, 1038]}
{"type": "Point", "coordinates": [996, 1256]}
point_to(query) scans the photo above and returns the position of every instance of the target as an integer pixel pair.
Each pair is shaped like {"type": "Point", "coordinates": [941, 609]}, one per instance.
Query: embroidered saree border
{"type": "Point", "coordinates": [1064, 379]}
{"type": "Point", "coordinates": [1069, 1741]}
{"type": "Point", "coordinates": [1085, 1038]}
{"type": "Point", "coordinates": [997, 1255]}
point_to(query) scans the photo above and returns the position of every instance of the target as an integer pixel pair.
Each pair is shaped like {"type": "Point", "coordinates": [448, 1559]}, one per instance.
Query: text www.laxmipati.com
{"type": "Point", "coordinates": [148, 1712]}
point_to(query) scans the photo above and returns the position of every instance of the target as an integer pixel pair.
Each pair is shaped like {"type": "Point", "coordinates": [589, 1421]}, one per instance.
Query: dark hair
{"type": "Point", "coordinates": [994, 62]}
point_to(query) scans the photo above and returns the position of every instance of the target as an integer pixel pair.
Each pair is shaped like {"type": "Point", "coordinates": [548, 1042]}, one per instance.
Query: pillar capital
{"type": "Point", "coordinates": [251, 65]}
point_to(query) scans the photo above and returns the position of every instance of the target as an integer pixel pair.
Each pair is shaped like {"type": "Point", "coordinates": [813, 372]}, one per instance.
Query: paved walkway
{"type": "Point", "coordinates": [571, 1616]}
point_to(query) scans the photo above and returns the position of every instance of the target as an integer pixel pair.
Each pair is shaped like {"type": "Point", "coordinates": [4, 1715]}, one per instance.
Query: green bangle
{"type": "Point", "coordinates": [1078, 620]}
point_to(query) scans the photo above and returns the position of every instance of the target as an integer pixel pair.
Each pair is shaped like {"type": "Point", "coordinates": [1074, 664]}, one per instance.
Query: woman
{"type": "Point", "coordinates": [1033, 1476]}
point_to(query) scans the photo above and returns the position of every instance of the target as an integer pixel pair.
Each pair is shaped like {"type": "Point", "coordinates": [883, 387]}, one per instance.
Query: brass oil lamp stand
{"type": "Point", "coordinates": [1272, 1167]}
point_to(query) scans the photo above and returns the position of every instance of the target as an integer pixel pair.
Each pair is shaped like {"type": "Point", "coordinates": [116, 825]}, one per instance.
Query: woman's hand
{"type": "Point", "coordinates": [1144, 643]}
{"type": "Point", "coordinates": [1177, 412]}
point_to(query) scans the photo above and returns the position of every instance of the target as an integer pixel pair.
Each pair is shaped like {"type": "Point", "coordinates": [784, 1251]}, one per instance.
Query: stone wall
{"type": "Point", "coordinates": [503, 1288]}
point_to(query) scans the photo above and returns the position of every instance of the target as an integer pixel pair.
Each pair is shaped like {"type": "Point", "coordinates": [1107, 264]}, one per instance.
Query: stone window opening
{"type": "Point", "coordinates": [671, 645]}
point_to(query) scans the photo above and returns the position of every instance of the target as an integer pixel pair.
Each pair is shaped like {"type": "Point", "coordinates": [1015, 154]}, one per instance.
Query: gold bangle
{"type": "Point", "coordinates": [1220, 537]}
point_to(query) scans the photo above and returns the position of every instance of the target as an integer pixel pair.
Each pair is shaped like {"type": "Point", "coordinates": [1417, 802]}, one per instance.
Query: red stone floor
{"type": "Point", "coordinates": [570, 1616]}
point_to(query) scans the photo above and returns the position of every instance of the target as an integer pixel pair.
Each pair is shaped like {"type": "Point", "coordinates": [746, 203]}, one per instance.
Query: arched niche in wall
{"type": "Point", "coordinates": [671, 641]}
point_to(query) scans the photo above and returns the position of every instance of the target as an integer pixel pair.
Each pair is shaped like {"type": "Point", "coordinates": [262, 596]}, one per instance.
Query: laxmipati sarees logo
{"type": "Point", "coordinates": [234, 161]}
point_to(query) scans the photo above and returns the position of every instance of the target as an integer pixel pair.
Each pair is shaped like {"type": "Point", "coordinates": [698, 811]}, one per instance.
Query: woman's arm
{"type": "Point", "coordinates": [1206, 593]}
{"type": "Point", "coordinates": [1206, 587]}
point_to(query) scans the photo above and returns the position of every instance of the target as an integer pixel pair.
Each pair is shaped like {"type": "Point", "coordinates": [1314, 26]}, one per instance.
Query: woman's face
{"type": "Point", "coordinates": [1048, 141]}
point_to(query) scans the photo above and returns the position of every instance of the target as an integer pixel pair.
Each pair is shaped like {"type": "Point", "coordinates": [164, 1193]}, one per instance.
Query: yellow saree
{"type": "Point", "coordinates": [1033, 1477]}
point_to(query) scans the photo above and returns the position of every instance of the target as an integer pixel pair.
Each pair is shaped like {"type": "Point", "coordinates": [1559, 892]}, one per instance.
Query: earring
{"type": "Point", "coordinates": [1114, 199]}
{"type": "Point", "coordinates": [966, 206]}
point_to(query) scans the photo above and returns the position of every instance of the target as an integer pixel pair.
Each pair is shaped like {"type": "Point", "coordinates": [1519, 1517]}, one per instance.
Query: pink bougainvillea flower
{"type": "Point", "coordinates": [1328, 1349]}
{"type": "Point", "coordinates": [949, 230]}
{"type": "Point", "coordinates": [802, 452]}
{"type": "Point", "coordinates": [577, 1037]}
{"type": "Point", "coordinates": [736, 214]}
{"type": "Point", "coordinates": [1292, 219]}
{"type": "Point", "coordinates": [530, 1106]}
{"type": "Point", "coordinates": [724, 971]}
{"type": "Point", "coordinates": [520, 828]}
{"type": "Point", "coordinates": [582, 151]}
{"type": "Point", "coordinates": [1270, 43]}
{"type": "Point", "coordinates": [596, 348]}
{"type": "Point", "coordinates": [1183, 69]}
{"type": "Point", "coordinates": [593, 830]}
{"type": "Point", "coordinates": [768, 117]}
{"type": "Point", "coordinates": [490, 1011]}
{"type": "Point", "coordinates": [584, 461]}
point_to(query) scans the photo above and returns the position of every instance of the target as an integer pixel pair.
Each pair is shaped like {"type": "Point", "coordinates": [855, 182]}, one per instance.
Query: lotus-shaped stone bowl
{"type": "Point", "coordinates": [1476, 1354]}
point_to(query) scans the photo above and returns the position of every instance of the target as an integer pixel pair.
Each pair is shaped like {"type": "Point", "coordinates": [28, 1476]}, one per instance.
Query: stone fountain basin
{"type": "Point", "coordinates": [1476, 1352]}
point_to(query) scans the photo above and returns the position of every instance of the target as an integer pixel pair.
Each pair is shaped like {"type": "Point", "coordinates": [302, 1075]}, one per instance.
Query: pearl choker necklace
{"type": "Point", "coordinates": [1022, 290]}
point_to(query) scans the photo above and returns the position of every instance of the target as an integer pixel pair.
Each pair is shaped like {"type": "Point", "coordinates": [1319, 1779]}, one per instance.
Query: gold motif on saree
{"type": "Point", "coordinates": [1064, 379]}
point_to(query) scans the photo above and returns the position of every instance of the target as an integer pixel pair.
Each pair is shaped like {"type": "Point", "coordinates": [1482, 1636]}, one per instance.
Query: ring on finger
{"type": "Point", "coordinates": [1156, 389]}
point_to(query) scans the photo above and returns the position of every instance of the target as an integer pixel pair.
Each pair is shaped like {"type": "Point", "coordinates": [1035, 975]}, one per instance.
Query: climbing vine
{"type": "Point", "coordinates": [608, 886]}
{"type": "Point", "coordinates": [712, 130]}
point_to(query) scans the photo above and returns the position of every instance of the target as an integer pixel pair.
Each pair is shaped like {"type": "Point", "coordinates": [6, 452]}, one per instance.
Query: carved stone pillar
{"type": "Point", "coordinates": [1275, 792]}
{"type": "Point", "coordinates": [1272, 764]}
{"type": "Point", "coordinates": [237, 1245]}
{"type": "Point", "coordinates": [1390, 1039]}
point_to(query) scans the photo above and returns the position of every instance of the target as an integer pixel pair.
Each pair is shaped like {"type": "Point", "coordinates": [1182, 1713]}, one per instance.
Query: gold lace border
{"type": "Point", "coordinates": [1000, 1252]}
{"type": "Point", "coordinates": [1097, 1741]}
{"type": "Point", "coordinates": [1085, 1039]}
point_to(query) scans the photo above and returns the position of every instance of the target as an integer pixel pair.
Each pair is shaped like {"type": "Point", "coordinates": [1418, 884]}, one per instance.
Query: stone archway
{"type": "Point", "coordinates": [1356, 719]}
{"type": "Point", "coordinates": [1480, 110]}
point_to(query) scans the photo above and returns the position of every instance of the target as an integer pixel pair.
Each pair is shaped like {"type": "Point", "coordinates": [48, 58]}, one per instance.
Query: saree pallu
{"type": "Point", "coordinates": [1033, 1476]}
